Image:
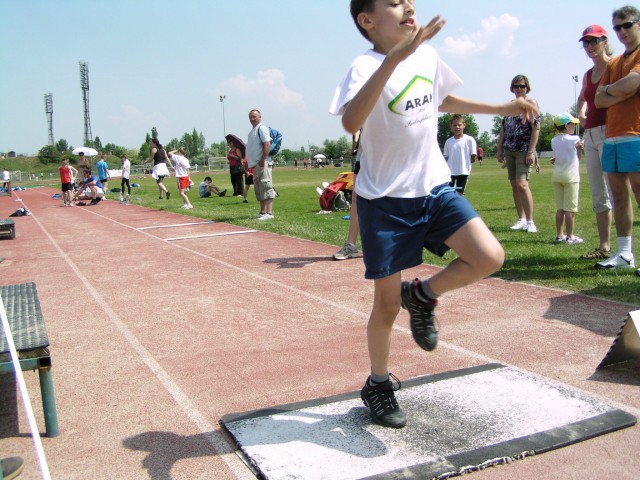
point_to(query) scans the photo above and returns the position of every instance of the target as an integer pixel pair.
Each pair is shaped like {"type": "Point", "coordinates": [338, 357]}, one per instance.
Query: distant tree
{"type": "Point", "coordinates": [217, 149]}
{"type": "Point", "coordinates": [97, 144]}
{"type": "Point", "coordinates": [62, 145]}
{"type": "Point", "coordinates": [444, 127]}
{"type": "Point", "coordinates": [114, 150]}
{"type": "Point", "coordinates": [338, 148]}
{"type": "Point", "coordinates": [487, 143]}
{"type": "Point", "coordinates": [546, 132]}
{"type": "Point", "coordinates": [497, 126]}
{"type": "Point", "coordinates": [49, 154]}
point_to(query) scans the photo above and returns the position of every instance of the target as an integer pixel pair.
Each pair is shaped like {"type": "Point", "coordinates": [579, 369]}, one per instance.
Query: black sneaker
{"type": "Point", "coordinates": [423, 319]}
{"type": "Point", "coordinates": [95, 201]}
{"type": "Point", "coordinates": [168, 194]}
{"type": "Point", "coordinates": [382, 402]}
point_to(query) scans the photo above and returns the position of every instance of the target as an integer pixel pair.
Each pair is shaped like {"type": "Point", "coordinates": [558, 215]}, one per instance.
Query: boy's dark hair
{"type": "Point", "coordinates": [561, 128]}
{"type": "Point", "coordinates": [457, 117]}
{"type": "Point", "coordinates": [207, 178]}
{"type": "Point", "coordinates": [358, 7]}
{"type": "Point", "coordinates": [625, 12]}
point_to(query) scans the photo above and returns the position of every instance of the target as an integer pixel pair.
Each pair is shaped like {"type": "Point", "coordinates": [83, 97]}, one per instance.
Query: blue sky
{"type": "Point", "coordinates": [166, 63]}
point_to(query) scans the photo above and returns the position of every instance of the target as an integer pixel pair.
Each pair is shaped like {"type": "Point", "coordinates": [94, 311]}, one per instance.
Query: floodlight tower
{"type": "Point", "coordinates": [48, 109]}
{"type": "Point", "coordinates": [84, 85]}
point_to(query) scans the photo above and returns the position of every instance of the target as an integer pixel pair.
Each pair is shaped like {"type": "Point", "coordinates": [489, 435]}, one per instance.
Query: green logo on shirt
{"type": "Point", "coordinates": [411, 97]}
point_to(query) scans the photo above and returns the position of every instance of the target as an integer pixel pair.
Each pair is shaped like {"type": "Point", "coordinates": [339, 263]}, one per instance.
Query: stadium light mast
{"type": "Point", "coordinates": [84, 85]}
{"type": "Point", "coordinates": [48, 109]}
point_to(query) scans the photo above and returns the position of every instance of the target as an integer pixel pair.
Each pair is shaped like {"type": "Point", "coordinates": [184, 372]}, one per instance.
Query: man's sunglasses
{"type": "Point", "coordinates": [592, 42]}
{"type": "Point", "coordinates": [518, 86]}
{"type": "Point", "coordinates": [626, 26]}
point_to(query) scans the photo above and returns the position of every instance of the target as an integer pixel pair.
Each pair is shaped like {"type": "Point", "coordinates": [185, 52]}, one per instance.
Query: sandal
{"type": "Point", "coordinates": [596, 254]}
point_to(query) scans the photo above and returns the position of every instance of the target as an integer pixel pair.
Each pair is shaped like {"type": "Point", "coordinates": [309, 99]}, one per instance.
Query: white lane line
{"type": "Point", "coordinates": [239, 232]}
{"type": "Point", "coordinates": [174, 225]}
{"type": "Point", "coordinates": [220, 444]}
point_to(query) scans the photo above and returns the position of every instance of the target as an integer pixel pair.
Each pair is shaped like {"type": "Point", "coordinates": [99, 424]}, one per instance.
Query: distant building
{"type": "Point", "coordinates": [11, 154]}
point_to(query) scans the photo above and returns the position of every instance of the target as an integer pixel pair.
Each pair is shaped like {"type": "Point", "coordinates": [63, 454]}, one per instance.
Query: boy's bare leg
{"type": "Point", "coordinates": [386, 305]}
{"type": "Point", "coordinates": [479, 255]}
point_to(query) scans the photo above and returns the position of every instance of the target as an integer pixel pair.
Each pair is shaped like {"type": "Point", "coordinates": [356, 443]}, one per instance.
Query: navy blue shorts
{"type": "Point", "coordinates": [395, 230]}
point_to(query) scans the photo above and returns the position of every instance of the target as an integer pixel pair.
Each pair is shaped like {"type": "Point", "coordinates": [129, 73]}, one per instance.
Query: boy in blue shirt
{"type": "Point", "coordinates": [393, 93]}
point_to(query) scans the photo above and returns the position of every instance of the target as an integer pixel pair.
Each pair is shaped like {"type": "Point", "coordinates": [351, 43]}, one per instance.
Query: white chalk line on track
{"type": "Point", "coordinates": [220, 444]}
{"type": "Point", "coordinates": [460, 350]}
{"type": "Point", "coordinates": [175, 225]}
{"type": "Point", "coordinates": [206, 235]}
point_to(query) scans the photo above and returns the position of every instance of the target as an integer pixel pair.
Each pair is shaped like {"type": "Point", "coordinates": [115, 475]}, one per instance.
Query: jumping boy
{"type": "Point", "coordinates": [393, 93]}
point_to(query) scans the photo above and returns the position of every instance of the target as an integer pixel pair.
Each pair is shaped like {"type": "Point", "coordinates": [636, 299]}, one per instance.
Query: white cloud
{"type": "Point", "coordinates": [267, 82]}
{"type": "Point", "coordinates": [496, 33]}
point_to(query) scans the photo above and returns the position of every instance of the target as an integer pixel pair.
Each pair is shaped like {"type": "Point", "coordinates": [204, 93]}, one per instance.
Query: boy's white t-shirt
{"type": "Point", "coordinates": [181, 164]}
{"type": "Point", "coordinates": [567, 166]}
{"type": "Point", "coordinates": [458, 153]}
{"type": "Point", "coordinates": [399, 152]}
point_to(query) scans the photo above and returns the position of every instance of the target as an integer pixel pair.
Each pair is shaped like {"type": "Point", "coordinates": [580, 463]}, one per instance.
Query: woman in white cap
{"type": "Point", "coordinates": [592, 119]}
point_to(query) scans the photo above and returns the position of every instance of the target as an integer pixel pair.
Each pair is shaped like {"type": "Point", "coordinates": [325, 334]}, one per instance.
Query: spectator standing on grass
{"type": "Point", "coordinates": [248, 181]}
{"type": "Point", "coordinates": [257, 150]}
{"type": "Point", "coordinates": [460, 151]}
{"type": "Point", "coordinates": [6, 178]}
{"type": "Point", "coordinates": [405, 202]}
{"type": "Point", "coordinates": [517, 151]}
{"type": "Point", "coordinates": [480, 155]}
{"type": "Point", "coordinates": [182, 166]}
{"type": "Point", "coordinates": [350, 248]}
{"type": "Point", "coordinates": [567, 150]}
{"type": "Point", "coordinates": [67, 175]}
{"type": "Point", "coordinates": [596, 46]}
{"type": "Point", "coordinates": [126, 173]}
{"type": "Point", "coordinates": [160, 170]}
{"type": "Point", "coordinates": [103, 172]}
{"type": "Point", "coordinates": [618, 93]}
{"type": "Point", "coordinates": [236, 170]}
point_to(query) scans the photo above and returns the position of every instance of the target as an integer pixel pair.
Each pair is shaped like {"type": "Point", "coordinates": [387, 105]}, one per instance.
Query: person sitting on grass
{"type": "Point", "coordinates": [206, 189]}
{"type": "Point", "coordinates": [90, 189]}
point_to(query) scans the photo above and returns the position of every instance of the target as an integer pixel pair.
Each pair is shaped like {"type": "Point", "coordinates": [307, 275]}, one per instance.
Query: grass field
{"type": "Point", "coordinates": [531, 258]}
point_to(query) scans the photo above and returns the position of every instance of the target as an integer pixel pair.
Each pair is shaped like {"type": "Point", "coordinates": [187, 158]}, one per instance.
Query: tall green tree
{"type": "Point", "coordinates": [49, 154]}
{"type": "Point", "coordinates": [62, 145]}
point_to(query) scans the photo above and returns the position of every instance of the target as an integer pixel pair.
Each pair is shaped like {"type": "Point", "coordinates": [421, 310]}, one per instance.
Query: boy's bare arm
{"type": "Point", "coordinates": [529, 108]}
{"type": "Point", "coordinates": [359, 108]}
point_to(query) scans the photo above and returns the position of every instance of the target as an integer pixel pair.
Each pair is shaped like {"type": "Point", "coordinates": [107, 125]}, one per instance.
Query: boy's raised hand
{"type": "Point", "coordinates": [422, 34]}
{"type": "Point", "coordinates": [527, 109]}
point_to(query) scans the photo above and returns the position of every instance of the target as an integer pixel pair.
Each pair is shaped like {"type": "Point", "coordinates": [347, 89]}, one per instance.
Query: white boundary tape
{"type": "Point", "coordinates": [25, 394]}
{"type": "Point", "coordinates": [239, 232]}
{"type": "Point", "coordinates": [175, 225]}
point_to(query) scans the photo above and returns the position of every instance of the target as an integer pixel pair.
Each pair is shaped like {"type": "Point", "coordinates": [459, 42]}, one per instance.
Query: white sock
{"type": "Point", "coordinates": [624, 244]}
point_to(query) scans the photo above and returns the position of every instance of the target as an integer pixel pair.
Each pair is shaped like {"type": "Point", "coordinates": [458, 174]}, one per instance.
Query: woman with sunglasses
{"type": "Point", "coordinates": [592, 119]}
{"type": "Point", "coordinates": [517, 150]}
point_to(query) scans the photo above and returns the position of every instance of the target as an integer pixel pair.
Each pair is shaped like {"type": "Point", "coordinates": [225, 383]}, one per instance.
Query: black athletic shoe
{"type": "Point", "coordinates": [382, 403]}
{"type": "Point", "coordinates": [423, 319]}
{"type": "Point", "coordinates": [95, 201]}
{"type": "Point", "coordinates": [168, 195]}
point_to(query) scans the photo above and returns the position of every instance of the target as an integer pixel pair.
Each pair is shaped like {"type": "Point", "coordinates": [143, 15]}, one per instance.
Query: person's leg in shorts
{"type": "Point", "coordinates": [600, 197]}
{"type": "Point", "coordinates": [558, 196]}
{"type": "Point", "coordinates": [621, 162]}
{"type": "Point", "coordinates": [263, 185]}
{"type": "Point", "coordinates": [519, 172]}
{"type": "Point", "coordinates": [448, 222]}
